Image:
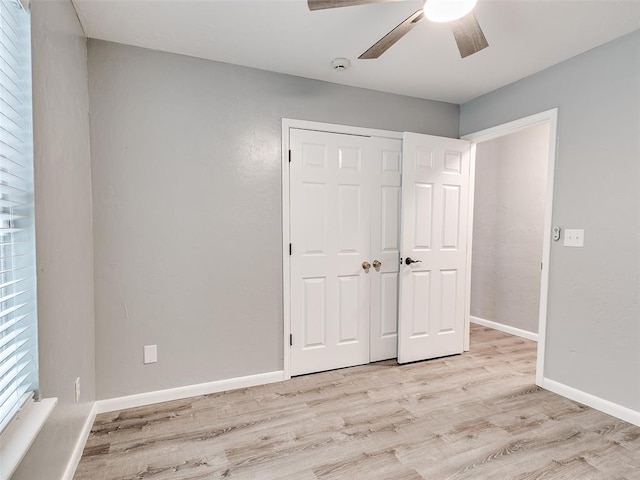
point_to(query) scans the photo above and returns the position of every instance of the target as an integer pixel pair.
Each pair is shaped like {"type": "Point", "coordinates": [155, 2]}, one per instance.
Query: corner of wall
{"type": "Point", "coordinates": [64, 242]}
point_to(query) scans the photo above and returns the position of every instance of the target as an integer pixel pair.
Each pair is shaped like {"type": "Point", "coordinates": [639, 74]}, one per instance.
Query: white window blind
{"type": "Point", "coordinates": [18, 332]}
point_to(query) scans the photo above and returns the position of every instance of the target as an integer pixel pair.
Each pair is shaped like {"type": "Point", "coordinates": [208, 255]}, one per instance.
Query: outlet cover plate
{"type": "Point", "coordinates": [150, 354]}
{"type": "Point", "coordinates": [573, 237]}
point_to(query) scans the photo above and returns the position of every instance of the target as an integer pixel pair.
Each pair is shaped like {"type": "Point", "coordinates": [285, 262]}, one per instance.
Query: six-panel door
{"type": "Point", "coordinates": [435, 202]}
{"type": "Point", "coordinates": [330, 192]}
{"type": "Point", "coordinates": [385, 246]}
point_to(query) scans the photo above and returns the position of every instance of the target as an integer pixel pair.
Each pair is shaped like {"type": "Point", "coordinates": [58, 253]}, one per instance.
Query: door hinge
{"type": "Point", "coordinates": [541, 266]}
{"type": "Point", "coordinates": [290, 249]}
{"type": "Point", "coordinates": [291, 339]}
{"type": "Point", "coordinates": [289, 156]}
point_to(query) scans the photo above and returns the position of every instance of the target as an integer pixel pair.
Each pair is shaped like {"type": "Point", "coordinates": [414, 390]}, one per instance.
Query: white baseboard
{"type": "Point", "coordinates": [76, 455]}
{"type": "Point", "coordinates": [148, 398]}
{"type": "Point", "coordinates": [504, 328]}
{"type": "Point", "coordinates": [613, 409]}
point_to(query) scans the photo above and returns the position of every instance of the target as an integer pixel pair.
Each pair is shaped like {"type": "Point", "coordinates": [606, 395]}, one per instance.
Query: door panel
{"type": "Point", "coordinates": [385, 246]}
{"type": "Point", "coordinates": [435, 176]}
{"type": "Point", "coordinates": [313, 237]}
{"type": "Point", "coordinates": [449, 301]}
{"type": "Point", "coordinates": [389, 306]}
{"type": "Point", "coordinates": [349, 219]}
{"type": "Point", "coordinates": [390, 228]}
{"type": "Point", "coordinates": [422, 220]}
{"type": "Point", "coordinates": [451, 218]}
{"type": "Point", "coordinates": [348, 304]}
{"type": "Point", "coordinates": [330, 235]}
{"type": "Point", "coordinates": [315, 312]}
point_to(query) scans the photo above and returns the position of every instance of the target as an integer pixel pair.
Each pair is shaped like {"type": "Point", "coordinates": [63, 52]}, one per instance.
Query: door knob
{"type": "Point", "coordinates": [377, 264]}
{"type": "Point", "coordinates": [366, 266]}
{"type": "Point", "coordinates": [409, 261]}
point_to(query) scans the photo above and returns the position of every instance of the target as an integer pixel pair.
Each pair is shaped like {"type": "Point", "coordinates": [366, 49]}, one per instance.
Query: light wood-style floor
{"type": "Point", "coordinates": [473, 416]}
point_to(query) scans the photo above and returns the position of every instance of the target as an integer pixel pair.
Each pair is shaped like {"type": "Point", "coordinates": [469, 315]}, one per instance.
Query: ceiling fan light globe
{"type": "Point", "coordinates": [447, 10]}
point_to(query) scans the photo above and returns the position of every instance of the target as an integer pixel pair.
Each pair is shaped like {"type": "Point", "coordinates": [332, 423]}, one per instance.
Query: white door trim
{"type": "Point", "coordinates": [288, 123]}
{"type": "Point", "coordinates": [467, 299]}
{"type": "Point", "coordinates": [550, 117]}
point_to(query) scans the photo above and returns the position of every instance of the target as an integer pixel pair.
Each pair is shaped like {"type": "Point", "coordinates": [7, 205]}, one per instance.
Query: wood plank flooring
{"type": "Point", "coordinates": [473, 416]}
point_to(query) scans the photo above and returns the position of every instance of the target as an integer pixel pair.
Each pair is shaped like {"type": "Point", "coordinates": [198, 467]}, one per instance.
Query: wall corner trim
{"type": "Point", "coordinates": [606, 406]}
{"type": "Point", "coordinates": [158, 396]}
{"type": "Point", "coordinates": [504, 328]}
{"type": "Point", "coordinates": [76, 455]}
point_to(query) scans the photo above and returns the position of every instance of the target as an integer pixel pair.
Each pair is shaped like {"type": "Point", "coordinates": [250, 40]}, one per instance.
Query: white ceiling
{"type": "Point", "coordinates": [284, 36]}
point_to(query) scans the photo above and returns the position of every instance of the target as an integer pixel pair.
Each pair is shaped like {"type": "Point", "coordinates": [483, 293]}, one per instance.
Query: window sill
{"type": "Point", "coordinates": [20, 434]}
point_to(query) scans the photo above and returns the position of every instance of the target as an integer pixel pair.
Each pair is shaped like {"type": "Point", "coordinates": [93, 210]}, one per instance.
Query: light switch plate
{"type": "Point", "coordinates": [150, 353]}
{"type": "Point", "coordinates": [573, 237]}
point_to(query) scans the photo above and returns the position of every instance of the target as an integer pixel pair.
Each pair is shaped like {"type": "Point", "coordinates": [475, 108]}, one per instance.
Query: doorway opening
{"type": "Point", "coordinates": [512, 197]}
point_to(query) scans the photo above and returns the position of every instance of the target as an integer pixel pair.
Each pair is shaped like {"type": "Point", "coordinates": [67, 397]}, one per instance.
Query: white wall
{"type": "Point", "coordinates": [510, 185]}
{"type": "Point", "coordinates": [593, 331]}
{"type": "Point", "coordinates": [187, 209]}
{"type": "Point", "coordinates": [63, 232]}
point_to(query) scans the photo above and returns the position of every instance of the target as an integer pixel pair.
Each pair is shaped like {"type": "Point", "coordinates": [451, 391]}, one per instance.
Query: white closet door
{"type": "Point", "coordinates": [385, 246]}
{"type": "Point", "coordinates": [435, 200]}
{"type": "Point", "coordinates": [330, 178]}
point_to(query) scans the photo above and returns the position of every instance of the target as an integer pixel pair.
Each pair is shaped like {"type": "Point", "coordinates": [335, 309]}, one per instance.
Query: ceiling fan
{"type": "Point", "coordinates": [458, 13]}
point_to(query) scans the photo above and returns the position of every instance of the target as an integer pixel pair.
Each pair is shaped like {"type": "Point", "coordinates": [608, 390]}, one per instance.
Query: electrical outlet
{"type": "Point", "coordinates": [77, 389]}
{"type": "Point", "coordinates": [150, 354]}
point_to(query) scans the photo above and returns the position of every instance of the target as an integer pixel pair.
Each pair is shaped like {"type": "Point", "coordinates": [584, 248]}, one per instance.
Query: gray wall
{"type": "Point", "coordinates": [510, 185]}
{"type": "Point", "coordinates": [63, 231]}
{"type": "Point", "coordinates": [593, 330]}
{"type": "Point", "coordinates": [187, 209]}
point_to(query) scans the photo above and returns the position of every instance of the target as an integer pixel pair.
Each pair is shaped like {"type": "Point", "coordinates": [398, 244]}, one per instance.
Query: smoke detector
{"type": "Point", "coordinates": [340, 64]}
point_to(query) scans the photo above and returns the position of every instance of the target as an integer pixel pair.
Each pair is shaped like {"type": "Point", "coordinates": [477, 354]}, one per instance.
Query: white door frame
{"type": "Point", "coordinates": [288, 123]}
{"type": "Point", "coordinates": [550, 117]}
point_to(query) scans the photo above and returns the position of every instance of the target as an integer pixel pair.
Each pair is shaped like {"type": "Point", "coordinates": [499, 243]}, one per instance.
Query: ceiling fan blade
{"type": "Point", "coordinates": [393, 36]}
{"type": "Point", "coordinates": [468, 35]}
{"type": "Point", "coordinates": [324, 4]}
